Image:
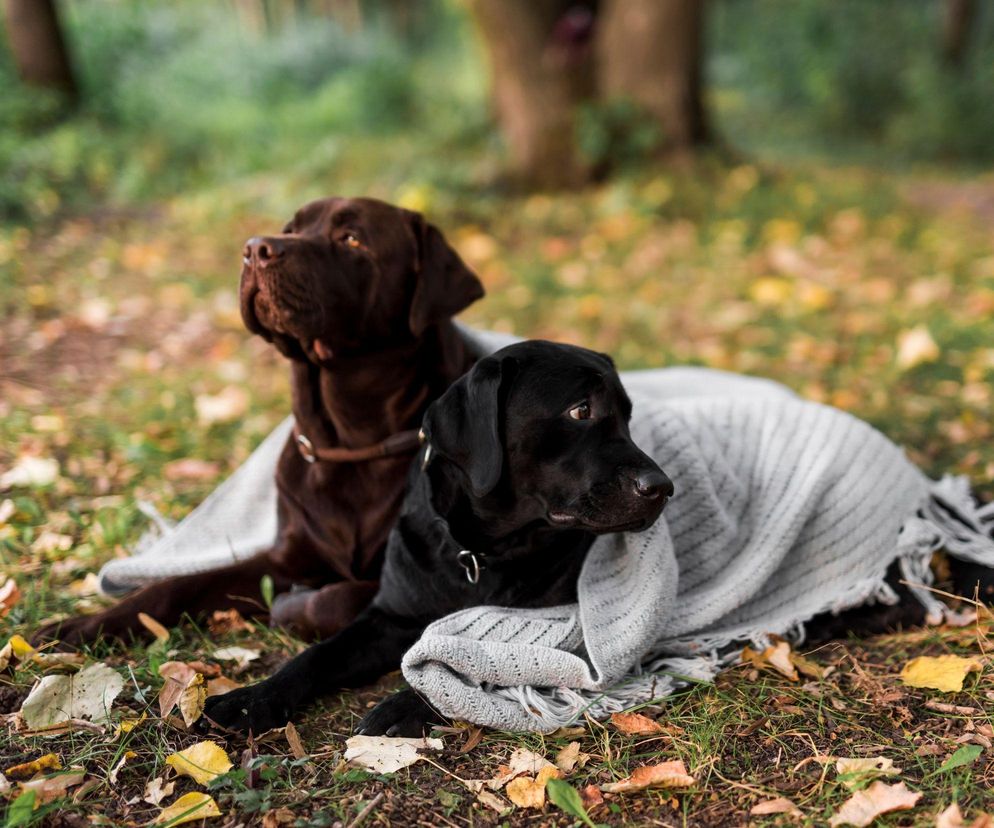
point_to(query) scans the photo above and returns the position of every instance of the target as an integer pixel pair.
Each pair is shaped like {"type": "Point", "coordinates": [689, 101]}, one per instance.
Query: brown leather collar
{"type": "Point", "coordinates": [403, 442]}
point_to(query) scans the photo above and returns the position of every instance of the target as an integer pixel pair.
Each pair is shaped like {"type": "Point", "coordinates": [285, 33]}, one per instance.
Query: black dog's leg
{"type": "Point", "coordinates": [359, 654]}
{"type": "Point", "coordinates": [405, 713]}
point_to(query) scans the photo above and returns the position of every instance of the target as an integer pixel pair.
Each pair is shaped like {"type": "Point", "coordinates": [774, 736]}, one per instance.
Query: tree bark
{"type": "Point", "coordinates": [537, 86]}
{"type": "Point", "coordinates": [651, 52]}
{"type": "Point", "coordinates": [37, 45]}
{"type": "Point", "coordinates": [957, 23]}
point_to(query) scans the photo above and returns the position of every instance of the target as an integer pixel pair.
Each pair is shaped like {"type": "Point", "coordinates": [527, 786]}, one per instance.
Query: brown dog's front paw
{"type": "Point", "coordinates": [67, 634]}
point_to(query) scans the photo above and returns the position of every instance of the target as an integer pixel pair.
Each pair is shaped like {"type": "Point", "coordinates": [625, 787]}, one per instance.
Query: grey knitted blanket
{"type": "Point", "coordinates": [783, 509]}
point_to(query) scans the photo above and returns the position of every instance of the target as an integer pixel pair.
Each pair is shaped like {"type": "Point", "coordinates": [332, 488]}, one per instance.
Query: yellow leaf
{"type": "Point", "coordinates": [859, 771]}
{"type": "Point", "coordinates": [670, 774]}
{"type": "Point", "coordinates": [188, 808]}
{"type": "Point", "coordinates": [865, 806]}
{"type": "Point", "coordinates": [153, 626]}
{"type": "Point", "coordinates": [945, 673]}
{"type": "Point", "coordinates": [529, 792]}
{"type": "Point", "coordinates": [127, 725]}
{"type": "Point", "coordinates": [770, 291]}
{"type": "Point", "coordinates": [48, 762]}
{"type": "Point", "coordinates": [20, 647]}
{"type": "Point", "coordinates": [779, 657]}
{"type": "Point", "coordinates": [203, 761]}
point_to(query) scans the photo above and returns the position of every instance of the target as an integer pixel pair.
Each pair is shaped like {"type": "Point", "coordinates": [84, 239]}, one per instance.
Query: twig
{"type": "Point", "coordinates": [956, 709]}
{"type": "Point", "coordinates": [365, 812]}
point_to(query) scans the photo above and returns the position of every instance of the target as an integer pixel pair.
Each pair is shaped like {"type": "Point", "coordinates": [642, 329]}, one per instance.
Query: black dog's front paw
{"type": "Point", "coordinates": [257, 709]}
{"type": "Point", "coordinates": [404, 713]}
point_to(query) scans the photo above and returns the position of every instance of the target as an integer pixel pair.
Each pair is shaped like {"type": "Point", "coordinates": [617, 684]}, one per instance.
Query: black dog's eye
{"type": "Point", "coordinates": [580, 412]}
{"type": "Point", "coordinates": [352, 240]}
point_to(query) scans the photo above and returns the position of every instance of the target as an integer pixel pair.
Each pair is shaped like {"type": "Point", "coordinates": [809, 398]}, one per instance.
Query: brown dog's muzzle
{"type": "Point", "coordinates": [262, 252]}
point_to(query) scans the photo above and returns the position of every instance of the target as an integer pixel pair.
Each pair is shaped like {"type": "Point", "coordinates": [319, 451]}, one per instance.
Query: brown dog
{"type": "Point", "coordinates": [359, 295]}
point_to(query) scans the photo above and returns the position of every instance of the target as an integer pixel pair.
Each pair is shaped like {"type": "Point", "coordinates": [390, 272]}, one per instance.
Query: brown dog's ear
{"type": "Point", "coordinates": [444, 285]}
{"type": "Point", "coordinates": [463, 425]}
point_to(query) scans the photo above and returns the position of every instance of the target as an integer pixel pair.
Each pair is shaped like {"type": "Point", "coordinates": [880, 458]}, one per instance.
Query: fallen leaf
{"type": "Point", "coordinates": [241, 655]}
{"type": "Point", "coordinates": [915, 347]}
{"type": "Point", "coordinates": [635, 724]}
{"type": "Point", "coordinates": [670, 774]}
{"type": "Point", "coordinates": [188, 808]}
{"type": "Point", "coordinates": [126, 725]}
{"type": "Point", "coordinates": [277, 818]}
{"type": "Point", "coordinates": [205, 669]}
{"type": "Point", "coordinates": [779, 657]}
{"type": "Point", "coordinates": [880, 798]}
{"type": "Point", "coordinates": [780, 805]}
{"type": "Point", "coordinates": [229, 405]}
{"type": "Point", "coordinates": [227, 621]}
{"type": "Point", "coordinates": [48, 762]}
{"type": "Point", "coordinates": [529, 792]}
{"type": "Point", "coordinates": [565, 797]}
{"type": "Point", "coordinates": [853, 773]}
{"type": "Point", "coordinates": [88, 694]}
{"type": "Point", "coordinates": [569, 757]}
{"type": "Point", "coordinates": [154, 627]}
{"type": "Point", "coordinates": [47, 788]}
{"type": "Point", "coordinates": [7, 510]}
{"type": "Point", "coordinates": [592, 797]}
{"type": "Point", "coordinates": [190, 468]}
{"type": "Point", "coordinates": [203, 762]}
{"type": "Point", "coordinates": [492, 801]}
{"type": "Point", "coordinates": [952, 817]}
{"type": "Point", "coordinates": [183, 686]}
{"type": "Point", "coordinates": [5, 785]}
{"type": "Point", "coordinates": [6, 656]}
{"type": "Point", "coordinates": [112, 776]}
{"type": "Point", "coordinates": [31, 472]}
{"type": "Point", "coordinates": [10, 594]}
{"type": "Point", "coordinates": [220, 686]}
{"type": "Point", "coordinates": [156, 790]}
{"type": "Point", "coordinates": [293, 739]}
{"type": "Point", "coordinates": [966, 755]}
{"type": "Point", "coordinates": [945, 672]}
{"type": "Point", "coordinates": [526, 761]}
{"type": "Point", "coordinates": [20, 647]}
{"type": "Point", "coordinates": [386, 754]}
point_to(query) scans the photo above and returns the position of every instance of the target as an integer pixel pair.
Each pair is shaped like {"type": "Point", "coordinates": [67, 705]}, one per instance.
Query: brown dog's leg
{"type": "Point", "coordinates": [236, 586]}
{"type": "Point", "coordinates": [320, 613]}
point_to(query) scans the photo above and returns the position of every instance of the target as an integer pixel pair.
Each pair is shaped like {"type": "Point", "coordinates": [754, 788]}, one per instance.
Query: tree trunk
{"type": "Point", "coordinates": [650, 52]}
{"type": "Point", "coordinates": [538, 80]}
{"type": "Point", "coordinates": [37, 45]}
{"type": "Point", "coordinates": [957, 23]}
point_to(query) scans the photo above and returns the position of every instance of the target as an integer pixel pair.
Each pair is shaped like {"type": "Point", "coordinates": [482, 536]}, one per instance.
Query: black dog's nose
{"type": "Point", "coordinates": [262, 251]}
{"type": "Point", "coordinates": [653, 484]}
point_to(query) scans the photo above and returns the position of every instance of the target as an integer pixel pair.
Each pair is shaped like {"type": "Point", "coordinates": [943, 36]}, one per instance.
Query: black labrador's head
{"type": "Point", "coordinates": [351, 275]}
{"type": "Point", "coordinates": [538, 431]}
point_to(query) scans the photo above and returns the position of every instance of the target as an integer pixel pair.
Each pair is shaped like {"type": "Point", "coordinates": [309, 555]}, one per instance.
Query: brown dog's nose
{"type": "Point", "coordinates": [653, 484]}
{"type": "Point", "coordinates": [262, 251]}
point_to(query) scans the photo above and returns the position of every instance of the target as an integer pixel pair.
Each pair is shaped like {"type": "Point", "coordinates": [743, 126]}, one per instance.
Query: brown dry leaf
{"type": "Point", "coordinates": [780, 805]}
{"type": "Point", "coordinates": [952, 817]}
{"type": "Point", "coordinates": [189, 808]}
{"type": "Point", "coordinates": [474, 735]}
{"type": "Point", "coordinates": [203, 761]}
{"type": "Point", "coordinates": [635, 724]}
{"type": "Point", "coordinates": [492, 801]}
{"type": "Point", "coordinates": [156, 790]}
{"type": "Point", "coordinates": [48, 762]}
{"type": "Point", "coordinates": [670, 774]}
{"type": "Point", "coordinates": [591, 797]}
{"type": "Point", "coordinates": [191, 468]}
{"type": "Point", "coordinates": [859, 771]}
{"type": "Point", "coordinates": [293, 739]}
{"type": "Point", "coordinates": [221, 685]}
{"type": "Point", "coordinates": [10, 594]}
{"type": "Point", "coordinates": [945, 672]}
{"type": "Point", "coordinates": [241, 655]}
{"type": "Point", "coordinates": [570, 757]}
{"type": "Point", "coordinates": [779, 657]}
{"type": "Point", "coordinates": [89, 694]}
{"type": "Point", "coordinates": [526, 761]}
{"type": "Point", "coordinates": [529, 792]}
{"type": "Point", "coordinates": [47, 788]}
{"type": "Point", "coordinates": [153, 626]}
{"type": "Point", "coordinates": [205, 669]}
{"type": "Point", "coordinates": [227, 621]}
{"type": "Point", "coordinates": [183, 686]}
{"type": "Point", "coordinates": [278, 817]}
{"type": "Point", "coordinates": [806, 666]}
{"type": "Point", "coordinates": [916, 346]}
{"type": "Point", "coordinates": [880, 798]}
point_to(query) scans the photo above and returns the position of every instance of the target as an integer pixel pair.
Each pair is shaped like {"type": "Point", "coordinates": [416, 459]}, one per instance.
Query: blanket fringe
{"type": "Point", "coordinates": [949, 518]}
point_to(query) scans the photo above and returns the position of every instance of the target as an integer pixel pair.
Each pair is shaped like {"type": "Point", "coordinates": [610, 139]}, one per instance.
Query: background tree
{"type": "Point", "coordinates": [548, 57]}
{"type": "Point", "coordinates": [37, 45]}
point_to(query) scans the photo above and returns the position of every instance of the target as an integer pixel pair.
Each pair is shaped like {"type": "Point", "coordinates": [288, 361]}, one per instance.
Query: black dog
{"type": "Point", "coordinates": [527, 458]}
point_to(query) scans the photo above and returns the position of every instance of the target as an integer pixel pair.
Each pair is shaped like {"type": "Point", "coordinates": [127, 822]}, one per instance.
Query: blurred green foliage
{"type": "Point", "coordinates": [181, 94]}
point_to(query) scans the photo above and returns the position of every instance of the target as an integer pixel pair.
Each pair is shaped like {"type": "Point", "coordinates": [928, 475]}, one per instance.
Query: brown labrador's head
{"type": "Point", "coordinates": [349, 276]}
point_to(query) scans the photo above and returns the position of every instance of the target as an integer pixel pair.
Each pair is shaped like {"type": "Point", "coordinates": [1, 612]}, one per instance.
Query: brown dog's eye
{"type": "Point", "coordinates": [580, 412]}
{"type": "Point", "coordinates": [352, 240]}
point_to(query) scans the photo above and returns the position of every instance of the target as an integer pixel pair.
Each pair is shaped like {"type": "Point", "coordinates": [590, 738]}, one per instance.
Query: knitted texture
{"type": "Point", "coordinates": [783, 509]}
{"type": "Point", "coordinates": [238, 519]}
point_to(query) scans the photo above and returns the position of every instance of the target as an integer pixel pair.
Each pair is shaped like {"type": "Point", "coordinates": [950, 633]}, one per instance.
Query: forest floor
{"type": "Point", "coordinates": [123, 359]}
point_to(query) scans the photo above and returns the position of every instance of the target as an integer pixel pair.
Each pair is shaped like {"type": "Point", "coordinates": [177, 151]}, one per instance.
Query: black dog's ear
{"type": "Point", "coordinates": [463, 425]}
{"type": "Point", "coordinates": [444, 285]}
